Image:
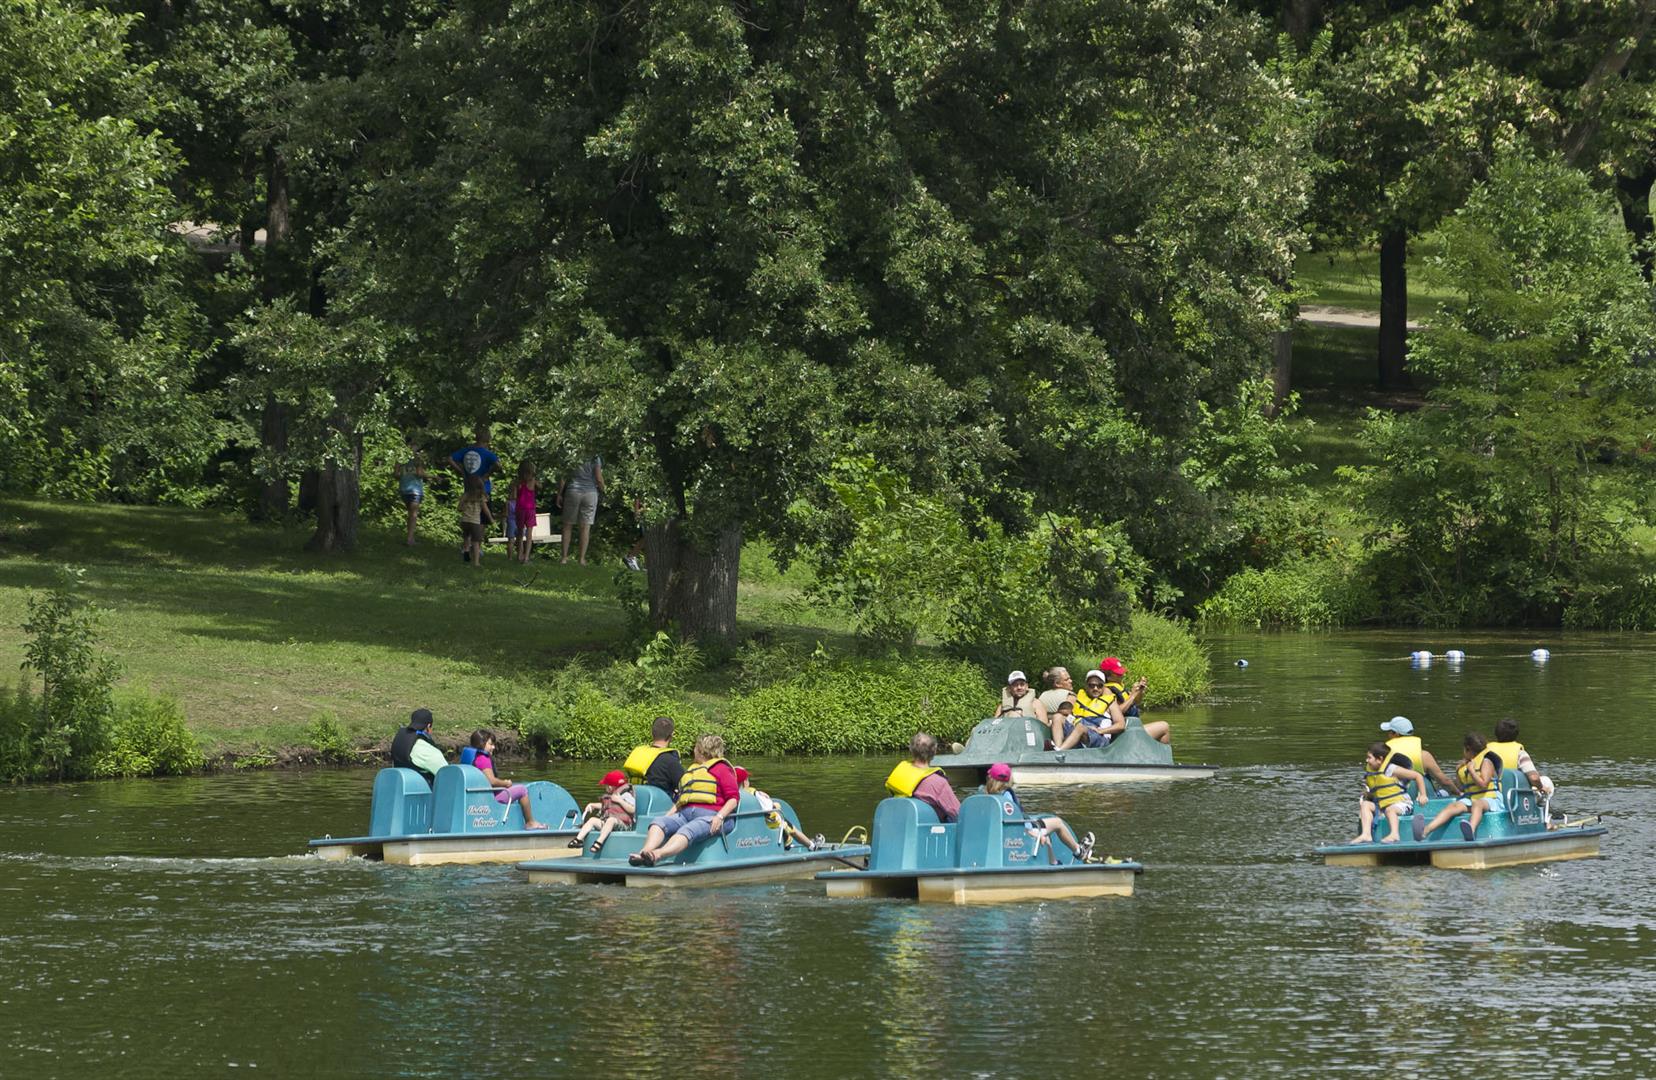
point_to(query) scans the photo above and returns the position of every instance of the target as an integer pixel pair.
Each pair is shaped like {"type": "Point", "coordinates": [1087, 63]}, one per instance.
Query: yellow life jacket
{"type": "Point", "coordinates": [1407, 747]}
{"type": "Point", "coordinates": [1386, 790]}
{"type": "Point", "coordinates": [1507, 751]}
{"type": "Point", "coordinates": [906, 777]}
{"type": "Point", "coordinates": [698, 786]}
{"type": "Point", "coordinates": [639, 761]}
{"type": "Point", "coordinates": [1470, 775]}
{"type": "Point", "coordinates": [1088, 707]}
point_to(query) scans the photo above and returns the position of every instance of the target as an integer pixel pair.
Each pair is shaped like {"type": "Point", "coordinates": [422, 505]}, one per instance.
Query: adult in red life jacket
{"type": "Point", "coordinates": [708, 794]}
{"type": "Point", "coordinates": [916, 778]}
{"type": "Point", "coordinates": [412, 747]}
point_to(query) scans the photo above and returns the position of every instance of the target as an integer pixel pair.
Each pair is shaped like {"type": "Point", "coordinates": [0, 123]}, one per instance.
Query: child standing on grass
{"type": "Point", "coordinates": [617, 809]}
{"type": "Point", "coordinates": [411, 477]}
{"type": "Point", "coordinates": [523, 509]}
{"type": "Point", "coordinates": [483, 741]}
{"type": "Point", "coordinates": [1385, 791]}
{"type": "Point", "coordinates": [1480, 783]}
{"type": "Point", "coordinates": [474, 511]}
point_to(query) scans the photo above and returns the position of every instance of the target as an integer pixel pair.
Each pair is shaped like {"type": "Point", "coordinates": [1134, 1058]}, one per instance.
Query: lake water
{"type": "Point", "coordinates": [169, 927]}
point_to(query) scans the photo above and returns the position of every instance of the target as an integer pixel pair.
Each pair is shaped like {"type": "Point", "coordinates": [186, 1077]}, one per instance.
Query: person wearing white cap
{"type": "Point", "coordinates": [1405, 744]}
{"type": "Point", "coordinates": [1019, 700]}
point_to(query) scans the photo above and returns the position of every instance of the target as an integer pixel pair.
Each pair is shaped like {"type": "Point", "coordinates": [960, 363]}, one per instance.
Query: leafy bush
{"type": "Point", "coordinates": [326, 735]}
{"type": "Point", "coordinates": [667, 661]}
{"type": "Point", "coordinates": [18, 713]}
{"type": "Point", "coordinates": [149, 738]}
{"type": "Point", "coordinates": [1305, 593]}
{"type": "Point", "coordinates": [604, 715]}
{"type": "Point", "coordinates": [867, 707]}
{"type": "Point", "coordinates": [761, 663]}
{"type": "Point", "coordinates": [71, 725]}
{"type": "Point", "coordinates": [1625, 604]}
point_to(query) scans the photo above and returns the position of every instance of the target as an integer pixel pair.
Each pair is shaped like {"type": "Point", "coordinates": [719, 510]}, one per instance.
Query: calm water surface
{"type": "Point", "coordinates": [167, 928]}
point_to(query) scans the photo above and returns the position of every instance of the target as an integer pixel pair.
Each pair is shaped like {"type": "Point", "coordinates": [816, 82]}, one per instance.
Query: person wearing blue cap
{"type": "Point", "coordinates": [1405, 746]}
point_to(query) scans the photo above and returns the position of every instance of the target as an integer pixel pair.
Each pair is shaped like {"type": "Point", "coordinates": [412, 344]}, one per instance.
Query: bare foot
{"type": "Point", "coordinates": [534, 825]}
{"type": "Point", "coordinates": [1392, 839]}
{"type": "Point", "coordinates": [1361, 840]}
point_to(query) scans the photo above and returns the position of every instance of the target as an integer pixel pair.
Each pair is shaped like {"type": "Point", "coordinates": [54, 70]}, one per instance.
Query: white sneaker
{"type": "Point", "coordinates": [632, 563]}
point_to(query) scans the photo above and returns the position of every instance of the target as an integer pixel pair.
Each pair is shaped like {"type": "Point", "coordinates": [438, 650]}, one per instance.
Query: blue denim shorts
{"type": "Point", "coordinates": [1090, 739]}
{"type": "Point", "coordinates": [695, 822]}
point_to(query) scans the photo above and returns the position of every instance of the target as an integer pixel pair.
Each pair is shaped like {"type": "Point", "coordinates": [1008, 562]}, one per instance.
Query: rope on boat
{"type": "Point", "coordinates": [855, 830]}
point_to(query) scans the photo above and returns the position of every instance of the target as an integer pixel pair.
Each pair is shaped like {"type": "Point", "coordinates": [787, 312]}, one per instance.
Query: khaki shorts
{"type": "Point", "coordinates": [580, 507]}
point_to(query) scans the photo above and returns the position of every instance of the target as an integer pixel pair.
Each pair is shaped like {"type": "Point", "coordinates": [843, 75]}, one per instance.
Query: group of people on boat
{"type": "Point", "coordinates": [1392, 765]}
{"type": "Point", "coordinates": [916, 777]}
{"type": "Point", "coordinates": [1088, 718]}
{"type": "Point", "coordinates": [412, 747]}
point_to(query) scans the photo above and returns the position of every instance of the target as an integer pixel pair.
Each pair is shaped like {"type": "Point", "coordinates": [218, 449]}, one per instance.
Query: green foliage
{"type": "Point", "coordinates": [894, 558]}
{"type": "Point", "coordinates": [149, 738]}
{"type": "Point", "coordinates": [327, 736]}
{"type": "Point", "coordinates": [867, 707]}
{"type": "Point", "coordinates": [1167, 654]}
{"type": "Point", "coordinates": [666, 662]}
{"type": "Point", "coordinates": [759, 664]}
{"type": "Point", "coordinates": [19, 713]}
{"type": "Point", "coordinates": [1498, 500]}
{"type": "Point", "coordinates": [1027, 601]}
{"type": "Point", "coordinates": [1303, 593]}
{"type": "Point", "coordinates": [76, 704]}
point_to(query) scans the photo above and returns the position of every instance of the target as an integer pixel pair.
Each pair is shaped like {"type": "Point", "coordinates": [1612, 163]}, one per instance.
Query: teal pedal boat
{"type": "Point", "coordinates": [991, 855]}
{"type": "Point", "coordinates": [1521, 832]}
{"type": "Point", "coordinates": [750, 852]}
{"type": "Point", "coordinates": [1021, 743]}
{"type": "Point", "coordinates": [455, 820]}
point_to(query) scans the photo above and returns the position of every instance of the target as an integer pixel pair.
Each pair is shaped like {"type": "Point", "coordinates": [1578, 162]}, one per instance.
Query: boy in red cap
{"type": "Point", "coordinates": [617, 807]}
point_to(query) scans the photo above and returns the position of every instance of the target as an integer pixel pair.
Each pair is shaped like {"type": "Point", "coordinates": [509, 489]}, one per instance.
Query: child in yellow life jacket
{"type": "Point", "coordinates": [616, 809]}
{"type": "Point", "coordinates": [773, 816]}
{"type": "Point", "coordinates": [1385, 791]}
{"type": "Point", "coordinates": [1479, 777]}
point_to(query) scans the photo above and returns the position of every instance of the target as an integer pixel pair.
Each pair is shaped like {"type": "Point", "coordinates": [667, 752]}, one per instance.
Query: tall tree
{"type": "Point", "coordinates": [993, 246]}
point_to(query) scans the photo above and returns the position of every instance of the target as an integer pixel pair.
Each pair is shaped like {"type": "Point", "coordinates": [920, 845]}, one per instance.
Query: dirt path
{"type": "Point", "coordinates": [1333, 316]}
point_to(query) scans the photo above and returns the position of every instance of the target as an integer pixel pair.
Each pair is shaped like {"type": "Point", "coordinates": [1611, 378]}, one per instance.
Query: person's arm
{"type": "Point", "coordinates": [598, 476]}
{"type": "Point", "coordinates": [454, 462]}
{"type": "Point", "coordinates": [1135, 695]}
{"type": "Point", "coordinates": [1118, 720]}
{"type": "Point", "coordinates": [1040, 709]}
{"type": "Point", "coordinates": [489, 775]}
{"type": "Point", "coordinates": [1434, 770]}
{"type": "Point", "coordinates": [1410, 776]}
{"type": "Point", "coordinates": [426, 757]}
{"type": "Point", "coordinates": [1489, 773]}
{"type": "Point", "coordinates": [732, 796]}
{"type": "Point", "coordinates": [628, 803]}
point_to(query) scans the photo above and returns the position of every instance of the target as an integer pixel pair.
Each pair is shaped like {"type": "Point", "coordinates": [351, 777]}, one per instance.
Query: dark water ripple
{"type": "Point", "coordinates": [168, 928]}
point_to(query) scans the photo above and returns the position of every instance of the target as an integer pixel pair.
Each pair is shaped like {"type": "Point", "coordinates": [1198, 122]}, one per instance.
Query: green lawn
{"type": "Point", "coordinates": [254, 635]}
{"type": "Point", "coordinates": [1350, 278]}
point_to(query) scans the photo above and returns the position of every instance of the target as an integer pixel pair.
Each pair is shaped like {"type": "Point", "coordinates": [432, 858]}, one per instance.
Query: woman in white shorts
{"type": "Point", "coordinates": [1480, 782]}
{"type": "Point", "coordinates": [578, 498]}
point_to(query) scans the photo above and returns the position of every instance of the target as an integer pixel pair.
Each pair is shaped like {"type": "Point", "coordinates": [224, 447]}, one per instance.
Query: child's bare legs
{"type": "Point", "coordinates": [1394, 815]}
{"type": "Point", "coordinates": [1077, 733]}
{"type": "Point", "coordinates": [610, 822]}
{"type": "Point", "coordinates": [1365, 816]}
{"type": "Point", "coordinates": [1454, 809]}
{"type": "Point", "coordinates": [1477, 814]}
{"type": "Point", "coordinates": [529, 821]}
{"type": "Point", "coordinates": [1061, 827]}
{"type": "Point", "coordinates": [413, 518]}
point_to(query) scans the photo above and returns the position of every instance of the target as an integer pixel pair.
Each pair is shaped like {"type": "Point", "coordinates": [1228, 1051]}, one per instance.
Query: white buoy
{"type": "Point", "coordinates": [1540, 656]}
{"type": "Point", "coordinates": [1241, 663]}
{"type": "Point", "coordinates": [1421, 655]}
{"type": "Point", "coordinates": [1455, 656]}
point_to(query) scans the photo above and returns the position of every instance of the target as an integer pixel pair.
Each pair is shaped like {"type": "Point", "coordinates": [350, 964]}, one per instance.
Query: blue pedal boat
{"type": "Point", "coordinates": [750, 852]}
{"type": "Point", "coordinates": [1521, 833]}
{"type": "Point", "coordinates": [455, 820]}
{"type": "Point", "coordinates": [1021, 743]}
{"type": "Point", "coordinates": [989, 856]}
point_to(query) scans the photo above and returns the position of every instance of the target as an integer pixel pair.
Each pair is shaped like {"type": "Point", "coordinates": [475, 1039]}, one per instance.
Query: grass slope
{"type": "Point", "coordinates": [1350, 278]}
{"type": "Point", "coordinates": [255, 636]}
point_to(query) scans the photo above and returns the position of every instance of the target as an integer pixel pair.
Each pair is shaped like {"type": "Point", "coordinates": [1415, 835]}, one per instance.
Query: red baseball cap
{"type": "Point", "coordinates": [741, 775]}
{"type": "Point", "coordinates": [1111, 666]}
{"type": "Point", "coordinates": [614, 778]}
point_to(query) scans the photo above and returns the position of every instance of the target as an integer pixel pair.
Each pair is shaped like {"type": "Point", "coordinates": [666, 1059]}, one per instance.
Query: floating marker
{"type": "Point", "coordinates": [1455, 656]}
{"type": "Point", "coordinates": [1540, 656]}
{"type": "Point", "coordinates": [1241, 663]}
{"type": "Point", "coordinates": [1421, 656]}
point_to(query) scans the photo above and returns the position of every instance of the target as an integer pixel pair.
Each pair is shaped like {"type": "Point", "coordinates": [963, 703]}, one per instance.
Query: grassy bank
{"type": "Point", "coordinates": [256, 638]}
{"type": "Point", "coordinates": [1350, 278]}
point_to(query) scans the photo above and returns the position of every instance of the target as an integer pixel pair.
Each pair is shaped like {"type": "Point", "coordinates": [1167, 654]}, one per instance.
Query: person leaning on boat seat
{"type": "Point", "coordinates": [1512, 754]}
{"type": "Point", "coordinates": [656, 763]}
{"type": "Point", "coordinates": [917, 778]}
{"type": "Point", "coordinates": [1406, 744]}
{"type": "Point", "coordinates": [1060, 688]}
{"type": "Point", "coordinates": [708, 796]}
{"type": "Point", "coordinates": [412, 747]}
{"type": "Point", "coordinates": [1115, 675]}
{"type": "Point", "coordinates": [1019, 700]}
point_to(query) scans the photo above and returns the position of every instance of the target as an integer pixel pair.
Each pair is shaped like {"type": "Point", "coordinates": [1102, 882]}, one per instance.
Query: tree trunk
{"type": "Point", "coordinates": [338, 503]}
{"type": "Point", "coordinates": [1282, 367]}
{"type": "Point", "coordinates": [274, 493]}
{"type": "Point", "coordinates": [693, 590]}
{"type": "Point", "coordinates": [1394, 309]}
{"type": "Point", "coordinates": [1300, 19]}
{"type": "Point", "coordinates": [1634, 193]}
